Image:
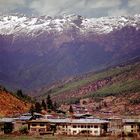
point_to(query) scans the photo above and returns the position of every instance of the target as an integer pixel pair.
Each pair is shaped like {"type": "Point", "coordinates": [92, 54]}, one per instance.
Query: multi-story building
{"type": "Point", "coordinates": [93, 127]}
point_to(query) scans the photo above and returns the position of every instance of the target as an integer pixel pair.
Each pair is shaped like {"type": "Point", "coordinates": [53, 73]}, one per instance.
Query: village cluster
{"type": "Point", "coordinates": [72, 125]}
{"type": "Point", "coordinates": [71, 120]}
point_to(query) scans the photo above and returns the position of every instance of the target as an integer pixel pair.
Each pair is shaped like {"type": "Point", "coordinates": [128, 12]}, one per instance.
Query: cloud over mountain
{"type": "Point", "coordinates": [89, 8]}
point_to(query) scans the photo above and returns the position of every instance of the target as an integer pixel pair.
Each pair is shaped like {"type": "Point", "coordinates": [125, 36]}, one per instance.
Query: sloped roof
{"type": "Point", "coordinates": [83, 121]}
{"type": "Point", "coordinates": [2, 120]}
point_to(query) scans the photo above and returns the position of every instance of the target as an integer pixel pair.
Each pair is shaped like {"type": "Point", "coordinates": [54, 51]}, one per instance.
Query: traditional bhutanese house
{"type": "Point", "coordinates": [6, 125]}
{"type": "Point", "coordinates": [115, 126]}
{"type": "Point", "coordinates": [92, 127]}
{"type": "Point", "coordinates": [131, 126]}
{"type": "Point", "coordinates": [40, 126]}
{"type": "Point", "coordinates": [24, 118]}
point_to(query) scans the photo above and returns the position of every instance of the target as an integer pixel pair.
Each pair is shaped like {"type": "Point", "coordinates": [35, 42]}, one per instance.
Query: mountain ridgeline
{"type": "Point", "coordinates": [36, 51]}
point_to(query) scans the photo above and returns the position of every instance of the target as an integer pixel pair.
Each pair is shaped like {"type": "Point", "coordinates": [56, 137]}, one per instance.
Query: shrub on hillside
{"type": "Point", "coordinates": [23, 130]}
{"type": "Point", "coordinates": [135, 101]}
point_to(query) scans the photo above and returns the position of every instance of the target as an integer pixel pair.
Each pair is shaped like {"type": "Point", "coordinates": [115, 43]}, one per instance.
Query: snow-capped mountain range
{"type": "Point", "coordinates": [31, 25]}
{"type": "Point", "coordinates": [35, 51]}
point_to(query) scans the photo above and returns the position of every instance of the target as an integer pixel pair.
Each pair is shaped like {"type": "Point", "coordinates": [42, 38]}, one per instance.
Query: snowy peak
{"type": "Point", "coordinates": [16, 24]}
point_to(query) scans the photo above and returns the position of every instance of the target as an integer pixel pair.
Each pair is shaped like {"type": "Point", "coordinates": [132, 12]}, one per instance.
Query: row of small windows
{"type": "Point", "coordinates": [89, 132]}
{"type": "Point", "coordinates": [41, 124]}
{"type": "Point", "coordinates": [74, 126]}
{"type": "Point", "coordinates": [85, 126]}
{"type": "Point", "coordinates": [82, 126]}
{"type": "Point", "coordinates": [39, 130]}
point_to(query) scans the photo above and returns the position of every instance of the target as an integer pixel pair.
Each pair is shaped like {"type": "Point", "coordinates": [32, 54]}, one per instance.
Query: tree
{"type": "Point", "coordinates": [43, 104]}
{"type": "Point", "coordinates": [71, 109]}
{"type": "Point", "coordinates": [37, 107]}
{"type": "Point", "coordinates": [32, 110]}
{"type": "Point", "coordinates": [55, 106]}
{"type": "Point", "coordinates": [49, 102]}
{"type": "Point", "coordinates": [19, 93]}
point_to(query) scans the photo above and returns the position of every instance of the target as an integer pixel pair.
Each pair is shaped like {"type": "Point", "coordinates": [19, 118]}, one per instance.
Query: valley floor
{"type": "Point", "coordinates": [61, 138]}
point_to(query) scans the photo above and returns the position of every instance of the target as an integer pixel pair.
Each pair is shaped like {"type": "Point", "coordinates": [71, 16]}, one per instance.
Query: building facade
{"type": "Point", "coordinates": [131, 126]}
{"type": "Point", "coordinates": [92, 127]}
{"type": "Point", "coordinates": [40, 126]}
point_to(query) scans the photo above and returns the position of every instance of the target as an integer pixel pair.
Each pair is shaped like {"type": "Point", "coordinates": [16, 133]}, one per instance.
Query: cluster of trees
{"type": "Point", "coordinates": [70, 109]}
{"type": "Point", "coordinates": [44, 105]}
{"type": "Point", "coordinates": [22, 96]}
{"type": "Point", "coordinates": [2, 88]}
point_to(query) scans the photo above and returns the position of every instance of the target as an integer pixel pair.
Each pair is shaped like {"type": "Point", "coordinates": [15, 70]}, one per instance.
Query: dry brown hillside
{"type": "Point", "coordinates": [11, 105]}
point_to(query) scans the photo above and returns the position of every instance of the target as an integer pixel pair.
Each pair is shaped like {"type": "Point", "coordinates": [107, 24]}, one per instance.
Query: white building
{"type": "Point", "coordinates": [131, 125]}
{"type": "Point", "coordinates": [93, 127]}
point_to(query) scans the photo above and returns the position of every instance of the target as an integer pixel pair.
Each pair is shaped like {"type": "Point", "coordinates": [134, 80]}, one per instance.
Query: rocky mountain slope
{"type": "Point", "coordinates": [120, 79]}
{"type": "Point", "coordinates": [115, 90]}
{"type": "Point", "coordinates": [10, 105]}
{"type": "Point", "coordinates": [36, 51]}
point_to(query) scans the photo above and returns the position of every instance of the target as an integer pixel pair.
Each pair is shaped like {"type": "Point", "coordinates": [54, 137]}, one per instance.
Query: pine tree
{"type": "Point", "coordinates": [71, 109]}
{"type": "Point", "coordinates": [32, 110]}
{"type": "Point", "coordinates": [44, 105]}
{"type": "Point", "coordinates": [19, 93]}
{"type": "Point", "coordinates": [49, 102]}
{"type": "Point", "coordinates": [37, 107]}
{"type": "Point", "coordinates": [55, 106]}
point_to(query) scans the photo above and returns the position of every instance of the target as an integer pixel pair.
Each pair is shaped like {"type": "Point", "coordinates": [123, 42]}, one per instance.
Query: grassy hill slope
{"type": "Point", "coordinates": [122, 79]}
{"type": "Point", "coordinates": [10, 105]}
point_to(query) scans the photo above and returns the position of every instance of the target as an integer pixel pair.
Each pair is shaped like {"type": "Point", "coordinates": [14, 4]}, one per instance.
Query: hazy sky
{"type": "Point", "coordinates": [89, 8]}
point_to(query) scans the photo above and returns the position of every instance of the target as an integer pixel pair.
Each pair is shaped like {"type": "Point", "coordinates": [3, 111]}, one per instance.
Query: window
{"type": "Point", "coordinates": [74, 132]}
{"type": "Point", "coordinates": [34, 124]}
{"type": "Point", "coordinates": [85, 126]}
{"type": "Point", "coordinates": [42, 124]}
{"type": "Point", "coordinates": [88, 126]}
{"type": "Point", "coordinates": [74, 126]}
{"type": "Point", "coordinates": [33, 129]}
{"type": "Point", "coordinates": [42, 130]}
{"type": "Point", "coordinates": [95, 132]}
{"type": "Point", "coordinates": [95, 126]}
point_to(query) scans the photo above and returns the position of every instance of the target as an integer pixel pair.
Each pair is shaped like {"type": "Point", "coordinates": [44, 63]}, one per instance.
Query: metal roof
{"type": "Point", "coordinates": [84, 121]}
{"type": "Point", "coordinates": [29, 114]}
{"type": "Point", "coordinates": [3, 120]}
{"type": "Point", "coordinates": [131, 120]}
{"type": "Point", "coordinates": [24, 118]}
